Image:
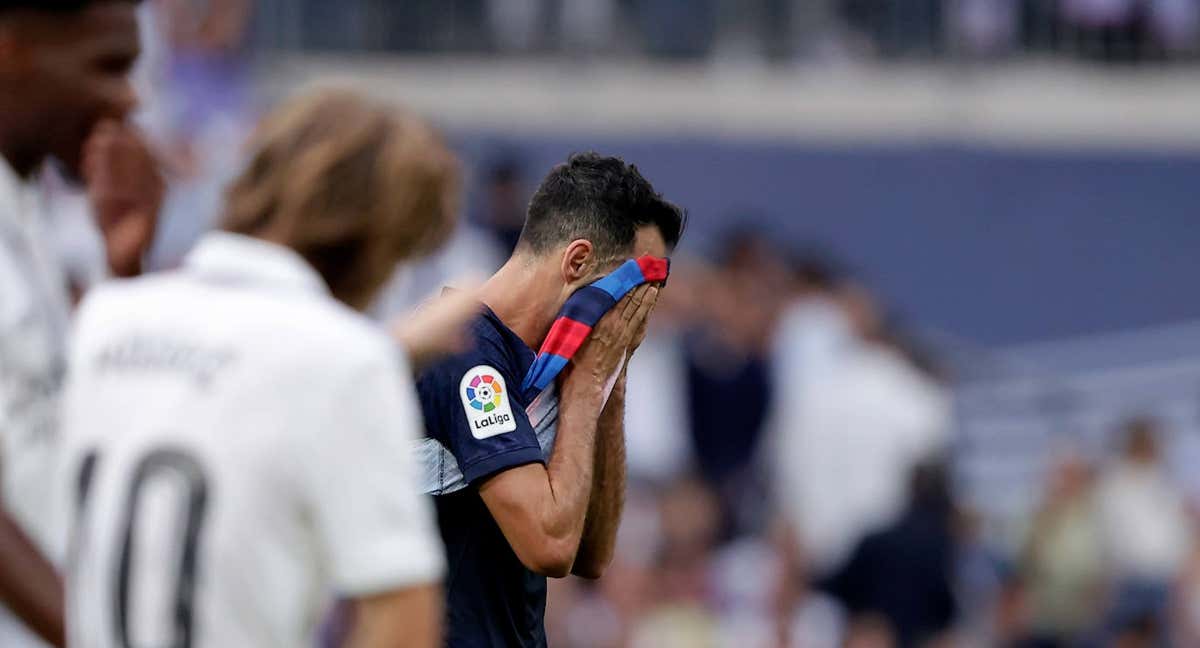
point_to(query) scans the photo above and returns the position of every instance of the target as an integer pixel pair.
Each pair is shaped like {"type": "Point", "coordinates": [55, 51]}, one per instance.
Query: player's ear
{"type": "Point", "coordinates": [578, 261]}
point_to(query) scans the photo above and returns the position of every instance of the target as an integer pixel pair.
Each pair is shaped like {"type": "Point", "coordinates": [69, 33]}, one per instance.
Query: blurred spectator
{"type": "Point", "coordinates": [981, 582]}
{"type": "Point", "coordinates": [680, 613]}
{"type": "Point", "coordinates": [504, 202]}
{"type": "Point", "coordinates": [1186, 603]}
{"type": "Point", "coordinates": [1143, 632]}
{"type": "Point", "coordinates": [516, 24]}
{"type": "Point", "coordinates": [1100, 13]}
{"type": "Point", "coordinates": [690, 516]}
{"type": "Point", "coordinates": [605, 613]}
{"type": "Point", "coordinates": [1145, 530]}
{"type": "Point", "coordinates": [898, 29]}
{"type": "Point", "coordinates": [805, 617]}
{"type": "Point", "coordinates": [870, 631]}
{"type": "Point", "coordinates": [772, 30]}
{"type": "Point", "coordinates": [1110, 30]}
{"type": "Point", "coordinates": [984, 27]}
{"type": "Point", "coordinates": [813, 330]}
{"type": "Point", "coordinates": [209, 77]}
{"type": "Point", "coordinates": [1176, 24]}
{"type": "Point", "coordinates": [420, 25]}
{"type": "Point", "coordinates": [201, 111]}
{"type": "Point", "coordinates": [748, 577]}
{"type": "Point", "coordinates": [593, 621]}
{"type": "Point", "coordinates": [904, 572]}
{"type": "Point", "coordinates": [858, 416]}
{"type": "Point", "coordinates": [582, 26]}
{"type": "Point", "coordinates": [677, 29]}
{"type": "Point", "coordinates": [587, 26]}
{"type": "Point", "coordinates": [1063, 562]}
{"type": "Point", "coordinates": [728, 373]}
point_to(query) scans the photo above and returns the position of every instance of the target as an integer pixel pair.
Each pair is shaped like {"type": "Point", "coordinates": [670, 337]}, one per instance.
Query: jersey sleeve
{"type": "Point", "coordinates": [470, 407]}
{"type": "Point", "coordinates": [378, 529]}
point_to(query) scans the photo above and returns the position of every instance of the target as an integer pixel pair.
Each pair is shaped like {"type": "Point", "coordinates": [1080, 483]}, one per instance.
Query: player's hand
{"type": "Point", "coordinates": [438, 328]}
{"type": "Point", "coordinates": [611, 339]}
{"type": "Point", "coordinates": [125, 187]}
{"type": "Point", "coordinates": [639, 333]}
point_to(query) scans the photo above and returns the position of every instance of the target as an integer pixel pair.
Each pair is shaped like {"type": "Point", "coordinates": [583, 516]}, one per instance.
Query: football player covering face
{"type": "Point", "coordinates": [517, 513]}
{"type": "Point", "coordinates": [237, 434]}
{"type": "Point", "coordinates": [64, 94]}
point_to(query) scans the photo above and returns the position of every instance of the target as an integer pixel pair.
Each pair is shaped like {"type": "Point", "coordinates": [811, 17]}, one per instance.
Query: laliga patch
{"type": "Point", "coordinates": [485, 400]}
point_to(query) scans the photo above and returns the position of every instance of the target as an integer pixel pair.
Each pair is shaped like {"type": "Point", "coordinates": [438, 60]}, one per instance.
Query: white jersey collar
{"type": "Point", "coordinates": [225, 256]}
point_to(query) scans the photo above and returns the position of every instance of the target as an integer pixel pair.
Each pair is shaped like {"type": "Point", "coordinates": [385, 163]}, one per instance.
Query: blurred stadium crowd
{"type": "Point", "coordinates": [791, 448]}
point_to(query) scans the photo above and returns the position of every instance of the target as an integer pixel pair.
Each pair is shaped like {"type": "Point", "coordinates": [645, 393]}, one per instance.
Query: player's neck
{"type": "Point", "coordinates": [520, 295]}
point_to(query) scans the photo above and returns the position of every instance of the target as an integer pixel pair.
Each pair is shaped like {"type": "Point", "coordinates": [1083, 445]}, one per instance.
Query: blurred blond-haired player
{"type": "Point", "coordinates": [237, 433]}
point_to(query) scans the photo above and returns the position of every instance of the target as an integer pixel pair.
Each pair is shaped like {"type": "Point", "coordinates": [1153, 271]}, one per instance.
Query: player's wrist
{"type": "Point", "coordinates": [582, 393]}
{"type": "Point", "coordinates": [587, 374]}
{"type": "Point", "coordinates": [617, 394]}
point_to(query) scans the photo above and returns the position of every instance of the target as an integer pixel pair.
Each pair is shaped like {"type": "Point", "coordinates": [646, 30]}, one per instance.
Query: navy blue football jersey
{"type": "Point", "coordinates": [474, 407]}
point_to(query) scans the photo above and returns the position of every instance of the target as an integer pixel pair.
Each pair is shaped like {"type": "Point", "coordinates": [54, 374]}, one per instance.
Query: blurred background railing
{"type": "Point", "coordinates": [778, 31]}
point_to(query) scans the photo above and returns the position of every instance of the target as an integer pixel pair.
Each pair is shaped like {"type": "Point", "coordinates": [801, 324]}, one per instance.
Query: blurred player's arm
{"type": "Point", "coordinates": [29, 586]}
{"type": "Point", "coordinates": [542, 509]}
{"type": "Point", "coordinates": [437, 328]}
{"type": "Point", "coordinates": [408, 618]}
{"type": "Point", "coordinates": [377, 528]}
{"type": "Point", "coordinates": [608, 480]}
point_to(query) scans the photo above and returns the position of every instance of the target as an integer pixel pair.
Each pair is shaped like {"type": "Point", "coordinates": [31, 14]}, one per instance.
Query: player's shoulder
{"type": "Point", "coordinates": [300, 328]}
{"type": "Point", "coordinates": [486, 347]}
{"type": "Point", "coordinates": [112, 302]}
{"type": "Point", "coordinates": [334, 336]}
{"type": "Point", "coordinates": [113, 291]}
{"type": "Point", "coordinates": [335, 327]}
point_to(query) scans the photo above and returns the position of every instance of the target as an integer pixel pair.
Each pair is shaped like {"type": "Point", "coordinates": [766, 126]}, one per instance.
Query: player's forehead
{"type": "Point", "coordinates": [108, 29]}
{"type": "Point", "coordinates": [649, 240]}
{"type": "Point", "coordinates": [111, 27]}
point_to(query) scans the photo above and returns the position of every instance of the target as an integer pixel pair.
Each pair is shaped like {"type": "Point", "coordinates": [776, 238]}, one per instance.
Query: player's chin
{"type": "Point", "coordinates": [69, 159]}
{"type": "Point", "coordinates": [69, 149]}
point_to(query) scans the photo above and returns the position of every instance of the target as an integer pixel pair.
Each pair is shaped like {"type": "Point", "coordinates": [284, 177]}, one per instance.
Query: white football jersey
{"type": "Point", "coordinates": [236, 449]}
{"type": "Point", "coordinates": [34, 310]}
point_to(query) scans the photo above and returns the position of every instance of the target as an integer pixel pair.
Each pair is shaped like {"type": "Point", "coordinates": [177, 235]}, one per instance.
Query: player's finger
{"type": "Point", "coordinates": [634, 301]}
{"type": "Point", "coordinates": [628, 306]}
{"type": "Point", "coordinates": [622, 311]}
{"type": "Point", "coordinates": [652, 293]}
{"type": "Point", "coordinates": [94, 152]}
{"type": "Point", "coordinates": [646, 305]}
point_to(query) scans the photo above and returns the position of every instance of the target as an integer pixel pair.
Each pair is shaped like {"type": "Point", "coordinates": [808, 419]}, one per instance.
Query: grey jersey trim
{"type": "Point", "coordinates": [437, 469]}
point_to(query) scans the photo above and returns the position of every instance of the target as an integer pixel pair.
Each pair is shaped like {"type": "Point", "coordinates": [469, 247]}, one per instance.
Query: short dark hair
{"type": "Point", "coordinates": [601, 199]}
{"type": "Point", "coordinates": [50, 6]}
